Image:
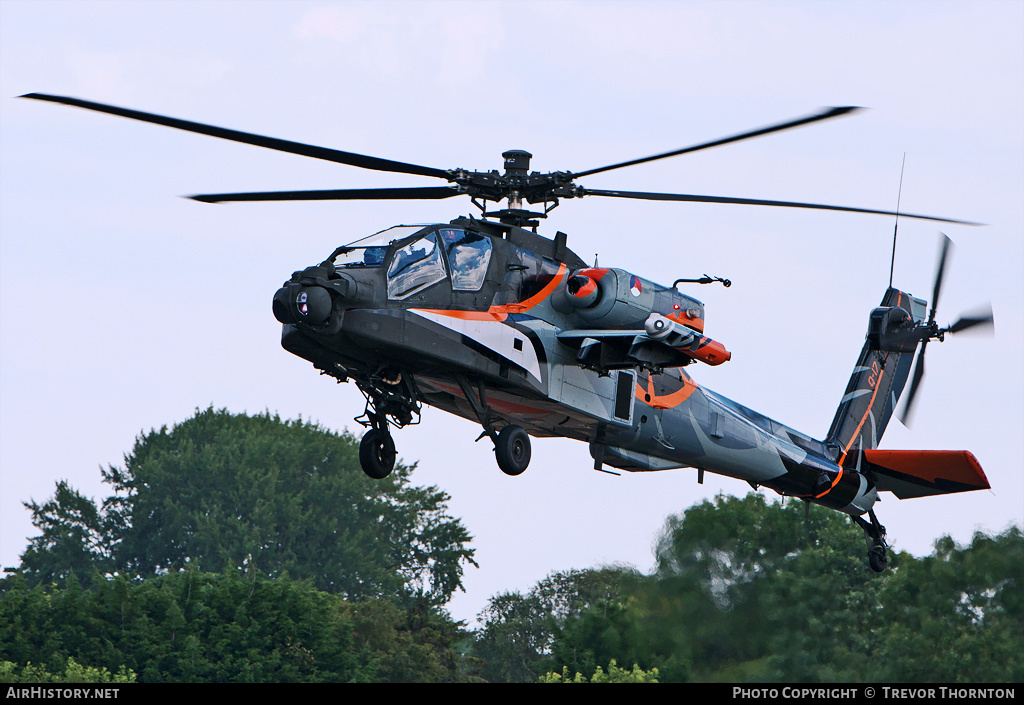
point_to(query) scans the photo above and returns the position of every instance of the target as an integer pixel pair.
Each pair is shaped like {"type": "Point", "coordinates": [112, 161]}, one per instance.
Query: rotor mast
{"type": "Point", "coordinates": [516, 181]}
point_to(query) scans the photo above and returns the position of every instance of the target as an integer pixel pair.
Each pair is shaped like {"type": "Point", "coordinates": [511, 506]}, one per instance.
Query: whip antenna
{"type": "Point", "coordinates": [895, 227]}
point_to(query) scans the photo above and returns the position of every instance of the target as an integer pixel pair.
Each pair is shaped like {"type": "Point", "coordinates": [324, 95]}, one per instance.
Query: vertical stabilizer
{"type": "Point", "coordinates": [878, 379]}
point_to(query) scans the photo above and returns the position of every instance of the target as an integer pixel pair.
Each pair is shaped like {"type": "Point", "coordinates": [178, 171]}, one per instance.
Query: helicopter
{"type": "Point", "coordinates": [486, 319]}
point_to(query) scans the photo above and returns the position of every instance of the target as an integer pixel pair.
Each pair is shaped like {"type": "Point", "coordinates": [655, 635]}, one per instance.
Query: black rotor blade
{"type": "Point", "coordinates": [825, 115]}
{"type": "Point", "coordinates": [355, 194]}
{"type": "Point", "coordinates": [754, 202]}
{"type": "Point", "coordinates": [306, 150]}
{"type": "Point", "coordinates": [967, 322]}
{"type": "Point", "coordinates": [915, 383]}
{"type": "Point", "coordinates": [939, 272]}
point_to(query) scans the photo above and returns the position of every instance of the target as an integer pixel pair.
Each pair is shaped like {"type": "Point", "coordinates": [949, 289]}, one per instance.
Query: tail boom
{"type": "Point", "coordinates": [875, 386]}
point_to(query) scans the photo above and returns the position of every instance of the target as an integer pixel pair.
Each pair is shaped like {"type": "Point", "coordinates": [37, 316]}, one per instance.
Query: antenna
{"type": "Point", "coordinates": [899, 195]}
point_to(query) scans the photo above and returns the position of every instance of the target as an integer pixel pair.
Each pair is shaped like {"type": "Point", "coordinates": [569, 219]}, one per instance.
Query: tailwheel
{"type": "Point", "coordinates": [874, 535]}
{"type": "Point", "coordinates": [512, 450]}
{"type": "Point", "coordinates": [878, 558]}
{"type": "Point", "coordinates": [377, 453]}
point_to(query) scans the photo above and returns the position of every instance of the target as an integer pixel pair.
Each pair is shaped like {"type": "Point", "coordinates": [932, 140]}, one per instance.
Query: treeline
{"type": "Point", "coordinates": [238, 548]}
{"type": "Point", "coordinates": [747, 591]}
{"type": "Point", "coordinates": [191, 626]}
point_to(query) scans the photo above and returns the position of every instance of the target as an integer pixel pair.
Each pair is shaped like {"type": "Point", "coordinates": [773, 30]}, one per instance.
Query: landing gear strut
{"type": "Point", "coordinates": [391, 399]}
{"type": "Point", "coordinates": [874, 536]}
{"type": "Point", "coordinates": [511, 444]}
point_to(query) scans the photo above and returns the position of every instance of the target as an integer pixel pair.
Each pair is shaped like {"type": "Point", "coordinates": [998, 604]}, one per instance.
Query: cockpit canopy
{"type": "Point", "coordinates": [432, 253]}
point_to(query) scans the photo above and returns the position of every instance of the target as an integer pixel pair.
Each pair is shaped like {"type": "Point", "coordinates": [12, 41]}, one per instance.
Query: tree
{"type": "Point", "coordinates": [73, 673]}
{"type": "Point", "coordinates": [518, 640]}
{"type": "Point", "coordinates": [765, 591]}
{"type": "Point", "coordinates": [614, 675]}
{"type": "Point", "coordinates": [956, 615]}
{"type": "Point", "coordinates": [228, 491]}
{"type": "Point", "coordinates": [235, 626]}
{"type": "Point", "coordinates": [747, 590]}
{"type": "Point", "coordinates": [72, 539]}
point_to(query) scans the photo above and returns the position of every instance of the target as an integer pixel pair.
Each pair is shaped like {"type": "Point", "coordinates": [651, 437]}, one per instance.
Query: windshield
{"type": "Point", "coordinates": [370, 251]}
{"type": "Point", "coordinates": [414, 267]}
{"type": "Point", "coordinates": [468, 255]}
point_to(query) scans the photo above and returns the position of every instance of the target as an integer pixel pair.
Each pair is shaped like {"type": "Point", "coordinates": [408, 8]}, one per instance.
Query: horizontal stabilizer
{"type": "Point", "coordinates": [923, 473]}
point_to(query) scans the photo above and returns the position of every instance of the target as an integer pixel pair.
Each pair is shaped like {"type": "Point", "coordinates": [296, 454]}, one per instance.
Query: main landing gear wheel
{"type": "Point", "coordinates": [377, 453]}
{"type": "Point", "coordinates": [512, 450]}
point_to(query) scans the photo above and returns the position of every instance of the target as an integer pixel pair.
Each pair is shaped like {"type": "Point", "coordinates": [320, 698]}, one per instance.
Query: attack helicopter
{"type": "Point", "coordinates": [486, 319]}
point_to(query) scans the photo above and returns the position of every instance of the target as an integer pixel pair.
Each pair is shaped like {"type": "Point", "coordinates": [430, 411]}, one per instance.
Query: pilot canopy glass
{"type": "Point", "coordinates": [468, 256]}
{"type": "Point", "coordinates": [424, 261]}
{"type": "Point", "coordinates": [370, 251]}
{"type": "Point", "coordinates": [414, 267]}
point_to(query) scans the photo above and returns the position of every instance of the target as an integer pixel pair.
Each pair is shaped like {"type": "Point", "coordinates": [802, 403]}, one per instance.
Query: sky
{"type": "Point", "coordinates": [124, 307]}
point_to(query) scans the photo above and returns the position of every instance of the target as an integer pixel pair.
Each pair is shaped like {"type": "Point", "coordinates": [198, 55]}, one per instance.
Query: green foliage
{"type": "Point", "coordinates": [751, 591]}
{"type": "Point", "coordinates": [734, 541]}
{"type": "Point", "coordinates": [614, 675]}
{"type": "Point", "coordinates": [231, 492]}
{"type": "Point", "coordinates": [517, 633]}
{"type": "Point", "coordinates": [72, 673]}
{"type": "Point", "coordinates": [961, 610]}
{"type": "Point", "coordinates": [230, 627]}
{"type": "Point", "coordinates": [522, 635]}
{"type": "Point", "coordinates": [314, 572]}
{"type": "Point", "coordinates": [72, 540]}
{"type": "Point", "coordinates": [320, 574]}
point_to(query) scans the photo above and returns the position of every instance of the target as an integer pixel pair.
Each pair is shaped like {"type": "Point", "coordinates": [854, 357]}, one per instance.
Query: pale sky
{"type": "Point", "coordinates": [124, 307]}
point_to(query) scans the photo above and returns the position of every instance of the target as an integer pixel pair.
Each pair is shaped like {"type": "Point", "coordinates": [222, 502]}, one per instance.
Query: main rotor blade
{"type": "Point", "coordinates": [827, 114]}
{"type": "Point", "coordinates": [332, 155]}
{"type": "Point", "coordinates": [754, 202]}
{"type": "Point", "coordinates": [355, 194]}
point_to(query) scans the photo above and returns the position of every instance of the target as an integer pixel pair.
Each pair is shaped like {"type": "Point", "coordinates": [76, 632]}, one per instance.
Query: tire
{"type": "Point", "coordinates": [377, 454]}
{"type": "Point", "coordinates": [512, 450]}
{"type": "Point", "coordinates": [878, 559]}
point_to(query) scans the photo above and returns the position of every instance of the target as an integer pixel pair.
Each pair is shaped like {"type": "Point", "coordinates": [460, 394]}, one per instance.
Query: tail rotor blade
{"type": "Point", "coordinates": [982, 318]}
{"type": "Point", "coordinates": [947, 244]}
{"type": "Point", "coordinates": [931, 331]}
{"type": "Point", "coordinates": [915, 384]}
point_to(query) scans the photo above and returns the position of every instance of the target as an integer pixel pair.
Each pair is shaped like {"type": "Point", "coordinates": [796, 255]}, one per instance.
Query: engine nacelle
{"type": "Point", "coordinates": [615, 299]}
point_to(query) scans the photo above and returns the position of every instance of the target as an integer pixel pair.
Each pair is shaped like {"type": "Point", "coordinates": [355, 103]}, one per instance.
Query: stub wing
{"type": "Point", "coordinates": [924, 473]}
{"type": "Point", "coordinates": [662, 342]}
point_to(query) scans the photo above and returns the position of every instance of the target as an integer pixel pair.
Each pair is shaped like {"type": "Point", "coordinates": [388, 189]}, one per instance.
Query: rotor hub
{"type": "Point", "coordinates": [517, 162]}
